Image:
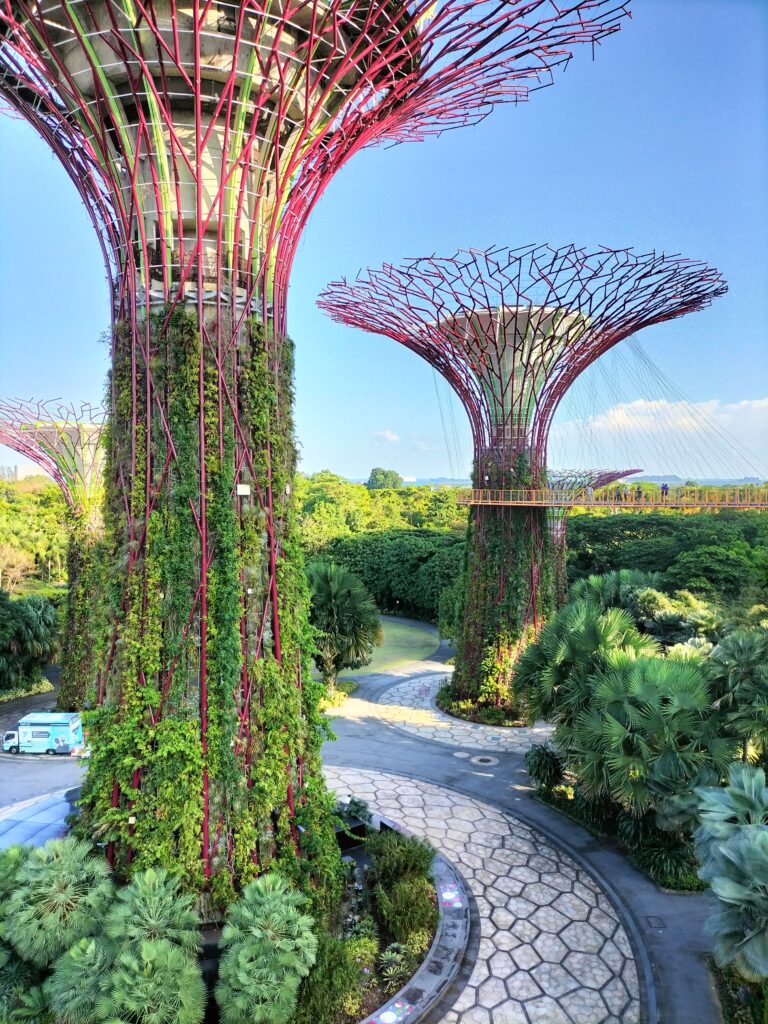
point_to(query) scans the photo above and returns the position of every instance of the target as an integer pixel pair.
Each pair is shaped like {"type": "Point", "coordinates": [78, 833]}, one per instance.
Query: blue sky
{"type": "Point", "coordinates": [661, 142]}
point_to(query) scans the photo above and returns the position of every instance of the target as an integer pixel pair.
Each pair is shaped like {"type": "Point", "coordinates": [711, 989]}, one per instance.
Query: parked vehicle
{"type": "Point", "coordinates": [46, 732]}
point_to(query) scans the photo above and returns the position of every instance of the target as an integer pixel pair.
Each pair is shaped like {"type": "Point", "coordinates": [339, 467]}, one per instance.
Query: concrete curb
{"type": "Point", "coordinates": [444, 959]}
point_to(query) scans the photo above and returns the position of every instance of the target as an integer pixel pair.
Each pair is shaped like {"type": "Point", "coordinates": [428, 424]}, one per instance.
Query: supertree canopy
{"type": "Point", "coordinates": [200, 136]}
{"type": "Point", "coordinates": [66, 442]}
{"type": "Point", "coordinates": [576, 483]}
{"type": "Point", "coordinates": [510, 330]}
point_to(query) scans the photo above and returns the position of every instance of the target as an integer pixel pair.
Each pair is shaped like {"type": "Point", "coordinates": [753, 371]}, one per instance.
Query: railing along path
{"type": "Point", "coordinates": [683, 497]}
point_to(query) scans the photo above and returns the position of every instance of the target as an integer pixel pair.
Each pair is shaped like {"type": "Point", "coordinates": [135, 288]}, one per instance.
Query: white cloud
{"type": "Point", "coordinates": [700, 439]}
{"type": "Point", "coordinates": [383, 437]}
{"type": "Point", "coordinates": [420, 444]}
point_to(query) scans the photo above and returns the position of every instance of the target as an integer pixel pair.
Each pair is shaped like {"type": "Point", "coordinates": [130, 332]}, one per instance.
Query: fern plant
{"type": "Point", "coordinates": [16, 976]}
{"type": "Point", "coordinates": [153, 907]}
{"type": "Point", "coordinates": [269, 947]}
{"type": "Point", "coordinates": [61, 896]}
{"type": "Point", "coordinates": [158, 983]}
{"type": "Point", "coordinates": [76, 984]}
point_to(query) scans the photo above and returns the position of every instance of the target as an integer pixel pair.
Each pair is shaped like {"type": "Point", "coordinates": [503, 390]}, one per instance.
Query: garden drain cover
{"type": "Point", "coordinates": [460, 753]}
{"type": "Point", "coordinates": [484, 759]}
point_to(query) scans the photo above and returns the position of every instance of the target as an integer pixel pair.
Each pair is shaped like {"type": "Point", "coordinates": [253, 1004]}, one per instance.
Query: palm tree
{"type": "Point", "coordinates": [345, 619]}
{"type": "Point", "coordinates": [738, 672]}
{"type": "Point", "coordinates": [614, 589]}
{"type": "Point", "coordinates": [553, 674]}
{"type": "Point", "coordinates": [648, 731]}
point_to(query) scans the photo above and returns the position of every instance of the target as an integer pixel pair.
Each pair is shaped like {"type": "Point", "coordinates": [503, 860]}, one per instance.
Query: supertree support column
{"type": "Point", "coordinates": [570, 482]}
{"type": "Point", "coordinates": [66, 442]}
{"type": "Point", "coordinates": [510, 330]}
{"type": "Point", "coordinates": [200, 136]}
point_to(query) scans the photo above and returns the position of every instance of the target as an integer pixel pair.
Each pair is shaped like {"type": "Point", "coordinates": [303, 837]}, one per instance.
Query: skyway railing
{"type": "Point", "coordinates": [679, 497]}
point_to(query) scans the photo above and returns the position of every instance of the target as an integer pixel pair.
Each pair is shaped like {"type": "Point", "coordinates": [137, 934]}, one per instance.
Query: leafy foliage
{"type": "Point", "coordinates": [151, 907]}
{"type": "Point", "coordinates": [269, 947]}
{"type": "Point", "coordinates": [157, 983]}
{"type": "Point", "coordinates": [61, 895]}
{"type": "Point", "coordinates": [345, 618]}
{"type": "Point", "coordinates": [545, 765]}
{"type": "Point", "coordinates": [333, 980]}
{"type": "Point", "coordinates": [395, 856]}
{"type": "Point", "coordinates": [408, 906]}
{"type": "Point", "coordinates": [76, 984]}
{"type": "Point", "coordinates": [27, 639]}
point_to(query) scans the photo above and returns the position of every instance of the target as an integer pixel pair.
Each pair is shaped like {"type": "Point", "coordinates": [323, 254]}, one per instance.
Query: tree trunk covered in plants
{"type": "Point", "coordinates": [509, 591]}
{"type": "Point", "coordinates": [85, 621]}
{"type": "Point", "coordinates": [207, 736]}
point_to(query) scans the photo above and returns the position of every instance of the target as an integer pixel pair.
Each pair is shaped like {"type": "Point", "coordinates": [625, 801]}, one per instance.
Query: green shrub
{"type": "Point", "coordinates": [61, 896]}
{"type": "Point", "coordinates": [152, 906]}
{"type": "Point", "coordinates": [16, 976]}
{"type": "Point", "coordinates": [545, 766]}
{"type": "Point", "coordinates": [156, 984]}
{"type": "Point", "coordinates": [29, 1007]}
{"type": "Point", "coordinates": [330, 983]}
{"type": "Point", "coordinates": [395, 967]}
{"type": "Point", "coordinates": [11, 860]}
{"type": "Point", "coordinates": [76, 984]}
{"type": "Point", "coordinates": [408, 907]}
{"type": "Point", "coordinates": [395, 856]}
{"type": "Point", "coordinates": [269, 947]}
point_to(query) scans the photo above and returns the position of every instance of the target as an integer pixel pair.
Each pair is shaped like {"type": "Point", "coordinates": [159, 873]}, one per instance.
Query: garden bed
{"type": "Point", "coordinates": [507, 716]}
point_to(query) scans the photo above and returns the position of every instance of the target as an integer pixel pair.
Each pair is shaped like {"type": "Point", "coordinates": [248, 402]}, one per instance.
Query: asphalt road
{"type": "Point", "coordinates": [23, 776]}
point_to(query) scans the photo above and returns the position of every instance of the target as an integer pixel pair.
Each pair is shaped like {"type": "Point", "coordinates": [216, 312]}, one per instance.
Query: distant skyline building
{"type": "Point", "coordinates": [510, 330]}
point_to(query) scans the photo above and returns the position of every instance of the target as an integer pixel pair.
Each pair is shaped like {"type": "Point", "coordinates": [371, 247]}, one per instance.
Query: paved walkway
{"type": "Point", "coordinates": [410, 706]}
{"type": "Point", "coordinates": [552, 947]}
{"type": "Point", "coordinates": [34, 821]}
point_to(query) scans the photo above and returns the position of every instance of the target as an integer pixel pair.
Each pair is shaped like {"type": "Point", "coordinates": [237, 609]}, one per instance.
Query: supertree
{"type": "Point", "coordinates": [66, 442]}
{"type": "Point", "coordinates": [200, 136]}
{"type": "Point", "coordinates": [510, 330]}
{"type": "Point", "coordinates": [574, 485]}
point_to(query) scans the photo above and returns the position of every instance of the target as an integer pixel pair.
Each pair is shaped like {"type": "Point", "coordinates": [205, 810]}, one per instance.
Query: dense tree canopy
{"type": "Point", "coordinates": [32, 532]}
{"type": "Point", "coordinates": [381, 478]}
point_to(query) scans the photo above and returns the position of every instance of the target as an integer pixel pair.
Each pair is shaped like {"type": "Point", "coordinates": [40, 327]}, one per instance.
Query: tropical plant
{"type": "Point", "coordinates": [11, 861]}
{"type": "Point", "coordinates": [27, 639]}
{"type": "Point", "coordinates": [408, 907]}
{"type": "Point", "coordinates": [395, 856]}
{"type": "Point", "coordinates": [738, 672]}
{"type": "Point", "coordinates": [732, 847]}
{"type": "Point", "coordinates": [16, 976]}
{"type": "Point", "coordinates": [156, 983]}
{"type": "Point", "coordinates": [269, 947]}
{"type": "Point", "coordinates": [30, 1006]}
{"type": "Point", "coordinates": [61, 896]}
{"type": "Point", "coordinates": [648, 731]}
{"type": "Point", "coordinates": [395, 965]}
{"type": "Point", "coordinates": [553, 674]}
{"type": "Point", "coordinates": [614, 589]}
{"type": "Point", "coordinates": [152, 906]}
{"type": "Point", "coordinates": [545, 766]}
{"type": "Point", "coordinates": [75, 986]}
{"type": "Point", "coordinates": [345, 618]}
{"type": "Point", "coordinates": [334, 979]}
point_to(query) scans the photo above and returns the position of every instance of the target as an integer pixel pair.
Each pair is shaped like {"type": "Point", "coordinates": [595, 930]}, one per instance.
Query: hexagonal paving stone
{"type": "Point", "coordinates": [554, 980]}
{"type": "Point", "coordinates": [587, 969]}
{"type": "Point", "coordinates": [604, 923]}
{"type": "Point", "coordinates": [510, 1012]}
{"type": "Point", "coordinates": [586, 1007]}
{"type": "Point", "coordinates": [491, 993]}
{"type": "Point", "coordinates": [546, 1011]}
{"type": "Point", "coordinates": [521, 985]}
{"type": "Point", "coordinates": [525, 957]}
{"type": "Point", "coordinates": [540, 894]}
{"type": "Point", "coordinates": [616, 996]}
{"type": "Point", "coordinates": [549, 919]}
{"type": "Point", "coordinates": [574, 908]}
{"type": "Point", "coordinates": [550, 948]}
{"type": "Point", "coordinates": [501, 965]}
{"type": "Point", "coordinates": [582, 937]}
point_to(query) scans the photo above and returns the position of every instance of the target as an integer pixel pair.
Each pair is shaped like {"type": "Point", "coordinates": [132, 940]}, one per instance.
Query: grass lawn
{"type": "Point", "coordinates": [402, 643]}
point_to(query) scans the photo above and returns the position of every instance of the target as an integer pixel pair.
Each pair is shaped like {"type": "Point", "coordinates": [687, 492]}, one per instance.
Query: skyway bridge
{"type": "Point", "coordinates": [623, 498]}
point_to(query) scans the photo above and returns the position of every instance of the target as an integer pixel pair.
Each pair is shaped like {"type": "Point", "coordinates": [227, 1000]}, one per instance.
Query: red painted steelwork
{"type": "Point", "coordinates": [200, 136]}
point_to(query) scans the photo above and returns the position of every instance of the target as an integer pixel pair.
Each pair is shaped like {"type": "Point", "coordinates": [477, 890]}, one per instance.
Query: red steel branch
{"type": "Point", "coordinates": [511, 329]}
{"type": "Point", "coordinates": [64, 441]}
{"type": "Point", "coordinates": [200, 137]}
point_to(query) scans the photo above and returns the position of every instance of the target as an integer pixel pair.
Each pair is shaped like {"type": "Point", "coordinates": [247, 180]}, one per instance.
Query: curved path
{"type": "Point", "coordinates": [565, 931]}
{"type": "Point", "coordinates": [422, 767]}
